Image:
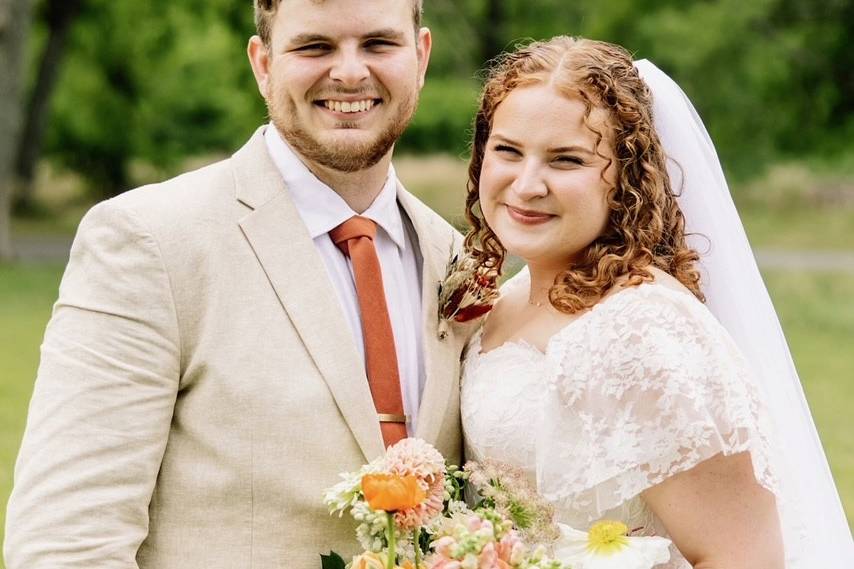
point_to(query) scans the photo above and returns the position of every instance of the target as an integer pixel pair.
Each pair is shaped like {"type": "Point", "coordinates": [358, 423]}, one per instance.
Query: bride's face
{"type": "Point", "coordinates": [544, 182]}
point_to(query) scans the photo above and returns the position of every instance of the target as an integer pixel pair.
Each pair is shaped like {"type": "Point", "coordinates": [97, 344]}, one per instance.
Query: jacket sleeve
{"type": "Point", "coordinates": [102, 405]}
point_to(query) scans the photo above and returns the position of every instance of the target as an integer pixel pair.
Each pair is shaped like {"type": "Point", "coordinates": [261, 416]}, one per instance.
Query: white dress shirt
{"type": "Point", "coordinates": [322, 209]}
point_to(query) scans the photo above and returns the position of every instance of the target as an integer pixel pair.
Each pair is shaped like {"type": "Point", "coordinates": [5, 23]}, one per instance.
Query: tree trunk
{"type": "Point", "coordinates": [493, 29]}
{"type": "Point", "coordinates": [59, 14]}
{"type": "Point", "coordinates": [14, 28]}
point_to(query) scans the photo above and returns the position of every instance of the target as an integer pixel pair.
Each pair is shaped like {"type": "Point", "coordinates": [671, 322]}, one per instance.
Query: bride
{"type": "Point", "coordinates": [632, 378]}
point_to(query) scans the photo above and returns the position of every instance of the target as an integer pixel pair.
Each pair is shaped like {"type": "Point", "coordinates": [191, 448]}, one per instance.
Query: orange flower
{"type": "Point", "coordinates": [390, 492]}
{"type": "Point", "coordinates": [369, 560]}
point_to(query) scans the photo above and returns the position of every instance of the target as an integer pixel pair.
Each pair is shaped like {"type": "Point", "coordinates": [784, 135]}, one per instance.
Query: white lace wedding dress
{"type": "Point", "coordinates": [643, 386]}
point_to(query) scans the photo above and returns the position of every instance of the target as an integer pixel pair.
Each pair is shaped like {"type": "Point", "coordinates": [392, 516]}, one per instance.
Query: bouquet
{"type": "Point", "coordinates": [393, 499]}
{"type": "Point", "coordinates": [410, 515]}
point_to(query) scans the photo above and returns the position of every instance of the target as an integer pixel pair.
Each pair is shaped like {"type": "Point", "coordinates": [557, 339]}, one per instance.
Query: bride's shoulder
{"type": "Point", "coordinates": [655, 310]}
{"type": "Point", "coordinates": [645, 331]}
{"type": "Point", "coordinates": [662, 292]}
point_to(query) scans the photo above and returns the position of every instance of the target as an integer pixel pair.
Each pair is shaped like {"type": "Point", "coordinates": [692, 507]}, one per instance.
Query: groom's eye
{"type": "Point", "coordinates": [313, 48]}
{"type": "Point", "coordinates": [379, 43]}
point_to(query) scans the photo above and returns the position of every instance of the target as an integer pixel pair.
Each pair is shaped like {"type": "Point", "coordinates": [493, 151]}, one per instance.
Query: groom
{"type": "Point", "coordinates": [210, 366]}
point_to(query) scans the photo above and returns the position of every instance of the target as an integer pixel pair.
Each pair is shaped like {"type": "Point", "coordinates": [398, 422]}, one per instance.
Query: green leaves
{"type": "Point", "coordinates": [148, 85]}
{"type": "Point", "coordinates": [332, 561]}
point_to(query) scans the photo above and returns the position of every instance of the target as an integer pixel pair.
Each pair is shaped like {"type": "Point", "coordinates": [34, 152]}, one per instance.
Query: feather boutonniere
{"type": "Point", "coordinates": [467, 292]}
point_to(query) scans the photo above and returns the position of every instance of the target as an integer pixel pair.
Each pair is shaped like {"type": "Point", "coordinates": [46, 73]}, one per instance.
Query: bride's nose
{"type": "Point", "coordinates": [529, 182]}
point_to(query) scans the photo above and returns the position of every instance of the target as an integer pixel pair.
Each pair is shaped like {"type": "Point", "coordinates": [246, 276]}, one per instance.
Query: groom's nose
{"type": "Point", "coordinates": [349, 67]}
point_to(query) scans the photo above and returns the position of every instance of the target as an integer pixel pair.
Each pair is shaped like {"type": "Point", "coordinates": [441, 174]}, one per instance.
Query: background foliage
{"type": "Point", "coordinates": [159, 81]}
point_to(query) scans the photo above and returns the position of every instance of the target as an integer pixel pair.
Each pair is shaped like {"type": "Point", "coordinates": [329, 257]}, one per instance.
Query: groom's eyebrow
{"type": "Point", "coordinates": [305, 38]}
{"type": "Point", "coordinates": [386, 33]}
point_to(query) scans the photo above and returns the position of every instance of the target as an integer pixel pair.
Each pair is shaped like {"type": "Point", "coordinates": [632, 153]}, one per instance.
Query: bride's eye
{"type": "Point", "coordinates": [505, 149]}
{"type": "Point", "coordinates": [567, 160]}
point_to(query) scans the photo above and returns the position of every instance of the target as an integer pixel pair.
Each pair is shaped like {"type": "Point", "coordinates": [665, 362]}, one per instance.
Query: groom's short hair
{"type": "Point", "coordinates": [265, 11]}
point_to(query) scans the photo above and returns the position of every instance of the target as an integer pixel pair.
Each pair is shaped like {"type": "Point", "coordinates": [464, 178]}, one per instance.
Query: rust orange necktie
{"type": "Point", "coordinates": [355, 238]}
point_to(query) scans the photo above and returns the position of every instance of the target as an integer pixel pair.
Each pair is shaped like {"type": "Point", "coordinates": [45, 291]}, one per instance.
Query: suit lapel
{"type": "Point", "coordinates": [440, 356]}
{"type": "Point", "coordinates": [296, 272]}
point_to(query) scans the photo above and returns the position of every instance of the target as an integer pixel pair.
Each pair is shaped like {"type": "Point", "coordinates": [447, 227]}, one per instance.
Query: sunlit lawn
{"type": "Point", "coordinates": [26, 296]}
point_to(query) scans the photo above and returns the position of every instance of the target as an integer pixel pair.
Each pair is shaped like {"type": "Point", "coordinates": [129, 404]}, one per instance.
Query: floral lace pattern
{"type": "Point", "coordinates": [645, 385]}
{"type": "Point", "coordinates": [504, 388]}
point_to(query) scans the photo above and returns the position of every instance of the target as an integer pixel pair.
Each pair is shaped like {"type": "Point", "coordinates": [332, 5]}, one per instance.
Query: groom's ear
{"type": "Point", "coordinates": [423, 46]}
{"type": "Point", "coordinates": [259, 59]}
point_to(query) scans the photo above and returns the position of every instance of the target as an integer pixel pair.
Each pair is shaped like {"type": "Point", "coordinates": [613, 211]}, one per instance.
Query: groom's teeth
{"type": "Point", "coordinates": [349, 106]}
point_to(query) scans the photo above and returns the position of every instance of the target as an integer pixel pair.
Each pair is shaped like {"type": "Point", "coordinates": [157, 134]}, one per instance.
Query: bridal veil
{"type": "Point", "coordinates": [815, 530]}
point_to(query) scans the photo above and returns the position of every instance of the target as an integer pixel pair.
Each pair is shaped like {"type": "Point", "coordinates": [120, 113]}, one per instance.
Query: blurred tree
{"type": "Point", "coordinates": [760, 73]}
{"type": "Point", "coordinates": [156, 82]}
{"type": "Point", "coordinates": [57, 16]}
{"type": "Point", "coordinates": [493, 33]}
{"type": "Point", "coordinates": [457, 37]}
{"type": "Point", "coordinates": [14, 26]}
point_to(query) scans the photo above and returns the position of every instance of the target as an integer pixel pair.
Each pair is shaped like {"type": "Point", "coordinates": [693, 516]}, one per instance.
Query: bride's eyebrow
{"type": "Point", "coordinates": [495, 137]}
{"type": "Point", "coordinates": [563, 149]}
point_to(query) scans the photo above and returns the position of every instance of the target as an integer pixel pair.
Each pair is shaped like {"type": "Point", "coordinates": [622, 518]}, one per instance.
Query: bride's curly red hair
{"type": "Point", "coordinates": [645, 226]}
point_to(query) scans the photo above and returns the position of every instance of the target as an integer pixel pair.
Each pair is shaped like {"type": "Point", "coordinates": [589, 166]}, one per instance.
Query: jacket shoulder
{"type": "Point", "coordinates": [442, 233]}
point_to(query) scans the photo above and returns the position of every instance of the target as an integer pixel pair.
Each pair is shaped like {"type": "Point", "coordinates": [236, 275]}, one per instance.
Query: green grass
{"type": "Point", "coordinates": [817, 311]}
{"type": "Point", "coordinates": [26, 297]}
{"type": "Point", "coordinates": [806, 228]}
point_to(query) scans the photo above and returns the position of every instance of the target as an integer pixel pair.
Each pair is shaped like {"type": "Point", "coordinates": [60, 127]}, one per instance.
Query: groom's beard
{"type": "Point", "coordinates": [336, 153]}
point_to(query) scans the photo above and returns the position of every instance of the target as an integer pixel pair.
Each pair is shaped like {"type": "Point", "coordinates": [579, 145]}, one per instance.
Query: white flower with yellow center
{"type": "Point", "coordinates": [608, 545]}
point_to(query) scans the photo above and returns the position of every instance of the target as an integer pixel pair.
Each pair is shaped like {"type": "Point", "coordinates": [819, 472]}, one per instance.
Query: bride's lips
{"type": "Point", "coordinates": [527, 216]}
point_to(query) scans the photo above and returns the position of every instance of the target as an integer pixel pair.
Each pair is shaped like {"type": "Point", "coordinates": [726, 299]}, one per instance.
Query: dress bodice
{"type": "Point", "coordinates": [643, 386]}
{"type": "Point", "coordinates": [504, 390]}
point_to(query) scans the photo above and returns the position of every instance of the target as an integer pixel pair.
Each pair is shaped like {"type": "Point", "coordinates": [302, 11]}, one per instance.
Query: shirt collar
{"type": "Point", "coordinates": [320, 207]}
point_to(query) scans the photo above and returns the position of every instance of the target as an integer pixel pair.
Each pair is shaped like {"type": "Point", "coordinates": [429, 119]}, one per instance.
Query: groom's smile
{"type": "Point", "coordinates": [348, 110]}
{"type": "Point", "coordinates": [342, 77]}
{"type": "Point", "coordinates": [348, 107]}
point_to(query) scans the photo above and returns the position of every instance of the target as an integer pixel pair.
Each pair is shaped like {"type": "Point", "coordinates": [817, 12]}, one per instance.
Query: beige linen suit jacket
{"type": "Point", "coordinates": [200, 387]}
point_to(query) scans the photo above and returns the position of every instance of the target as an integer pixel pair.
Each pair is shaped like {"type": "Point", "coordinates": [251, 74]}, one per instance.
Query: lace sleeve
{"type": "Point", "coordinates": [646, 385]}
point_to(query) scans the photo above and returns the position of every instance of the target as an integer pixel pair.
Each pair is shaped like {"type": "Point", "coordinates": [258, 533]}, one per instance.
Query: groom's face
{"type": "Point", "coordinates": [341, 77]}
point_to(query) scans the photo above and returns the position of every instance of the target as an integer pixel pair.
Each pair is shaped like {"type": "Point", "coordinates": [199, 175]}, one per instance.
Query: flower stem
{"type": "Point", "coordinates": [417, 540]}
{"type": "Point", "coordinates": [392, 544]}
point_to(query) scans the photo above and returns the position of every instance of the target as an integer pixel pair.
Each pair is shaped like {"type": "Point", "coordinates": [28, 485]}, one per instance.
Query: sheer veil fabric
{"type": "Point", "coordinates": [816, 532]}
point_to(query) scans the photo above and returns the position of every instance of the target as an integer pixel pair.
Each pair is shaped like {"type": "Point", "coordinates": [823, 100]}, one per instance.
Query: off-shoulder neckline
{"type": "Point", "coordinates": [521, 343]}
